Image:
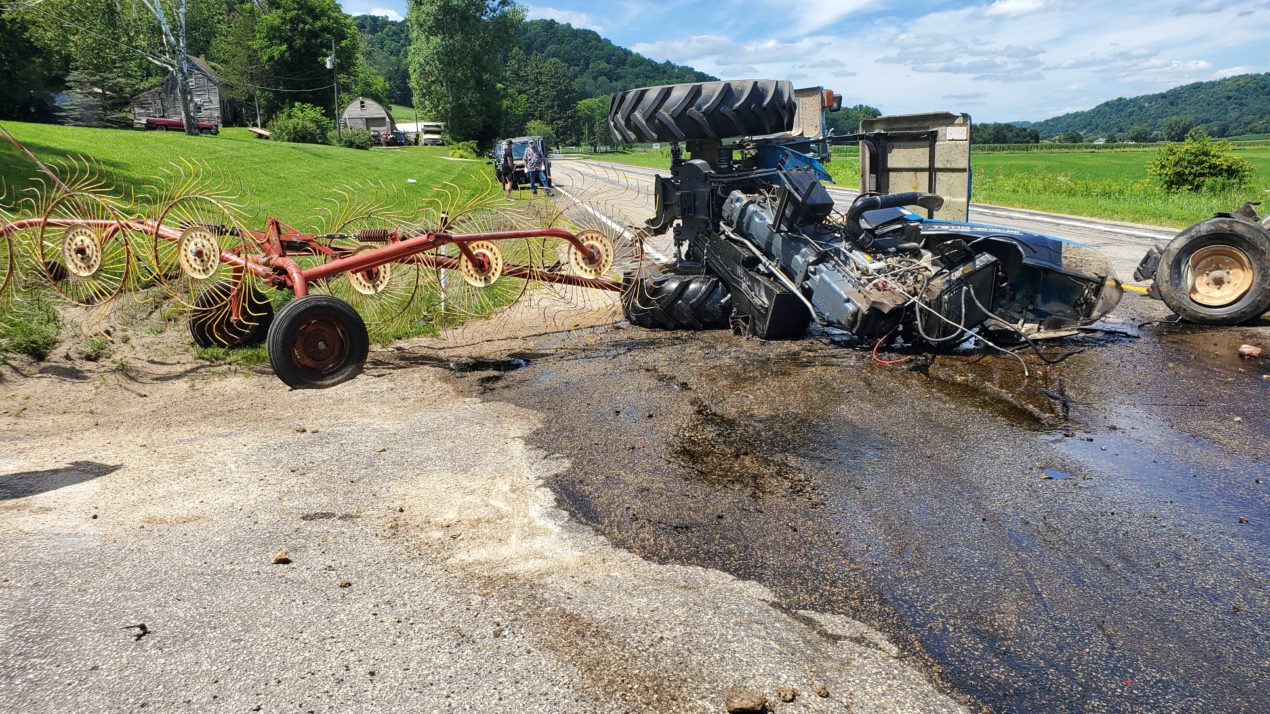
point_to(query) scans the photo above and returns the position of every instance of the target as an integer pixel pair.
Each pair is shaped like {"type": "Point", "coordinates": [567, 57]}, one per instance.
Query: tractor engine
{"type": "Point", "coordinates": [785, 247]}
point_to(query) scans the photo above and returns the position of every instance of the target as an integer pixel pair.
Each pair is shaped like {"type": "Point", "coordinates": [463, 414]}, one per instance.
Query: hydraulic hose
{"type": "Point", "coordinates": [864, 204]}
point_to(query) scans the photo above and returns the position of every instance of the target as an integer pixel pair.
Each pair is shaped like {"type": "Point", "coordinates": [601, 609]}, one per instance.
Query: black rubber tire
{"type": "Point", "coordinates": [702, 110]}
{"type": "Point", "coordinates": [1170, 278]}
{"type": "Point", "coordinates": [332, 314]}
{"type": "Point", "coordinates": [676, 302]}
{"type": "Point", "coordinates": [210, 323]}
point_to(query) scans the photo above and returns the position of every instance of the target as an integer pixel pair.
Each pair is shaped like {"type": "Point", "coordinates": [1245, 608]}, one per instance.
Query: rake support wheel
{"type": "Point", "coordinates": [317, 341]}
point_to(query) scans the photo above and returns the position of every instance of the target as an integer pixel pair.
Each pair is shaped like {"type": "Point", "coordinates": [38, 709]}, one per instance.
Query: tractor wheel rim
{"type": "Point", "coordinates": [320, 344]}
{"type": "Point", "coordinates": [199, 253]}
{"type": "Point", "coordinates": [81, 251]}
{"type": "Point", "coordinates": [1219, 275]}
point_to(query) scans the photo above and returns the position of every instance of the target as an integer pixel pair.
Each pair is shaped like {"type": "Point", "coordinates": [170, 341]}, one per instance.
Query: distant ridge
{"type": "Point", "coordinates": [1224, 107]}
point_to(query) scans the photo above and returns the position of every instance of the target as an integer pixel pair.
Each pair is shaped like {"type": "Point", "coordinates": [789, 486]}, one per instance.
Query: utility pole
{"type": "Point", "coordinates": [332, 64]}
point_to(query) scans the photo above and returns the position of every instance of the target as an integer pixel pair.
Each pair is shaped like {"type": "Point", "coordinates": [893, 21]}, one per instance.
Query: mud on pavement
{"type": "Point", "coordinates": [429, 568]}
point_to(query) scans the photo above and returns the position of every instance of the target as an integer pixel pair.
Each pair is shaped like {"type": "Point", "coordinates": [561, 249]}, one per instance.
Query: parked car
{"type": "Point", "coordinates": [519, 144]}
{"type": "Point", "coordinates": [163, 124]}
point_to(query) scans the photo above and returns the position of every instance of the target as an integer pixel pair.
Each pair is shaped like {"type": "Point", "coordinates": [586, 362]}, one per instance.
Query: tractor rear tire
{"type": "Point", "coordinates": [702, 110]}
{"type": "Point", "coordinates": [1217, 272]}
{"type": "Point", "coordinates": [676, 302]}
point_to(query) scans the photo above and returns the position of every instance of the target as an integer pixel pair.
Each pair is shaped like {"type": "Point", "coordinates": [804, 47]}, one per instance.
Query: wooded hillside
{"type": "Point", "coordinates": [1225, 107]}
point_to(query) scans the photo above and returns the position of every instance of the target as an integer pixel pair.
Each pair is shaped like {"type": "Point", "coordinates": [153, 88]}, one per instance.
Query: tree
{"type": "Point", "coordinates": [1071, 137]}
{"type": "Point", "coordinates": [456, 58]}
{"type": "Point", "coordinates": [1138, 134]}
{"type": "Point", "coordinates": [293, 39]}
{"type": "Point", "coordinates": [1199, 163]}
{"type": "Point", "coordinates": [847, 120]}
{"type": "Point", "coordinates": [1176, 128]}
{"type": "Point", "coordinates": [26, 79]}
{"type": "Point", "coordinates": [548, 92]}
{"type": "Point", "coordinates": [543, 129]}
{"type": "Point", "coordinates": [593, 122]}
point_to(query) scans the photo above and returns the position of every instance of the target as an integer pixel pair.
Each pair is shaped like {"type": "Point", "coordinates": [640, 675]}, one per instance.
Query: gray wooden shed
{"type": "Point", "coordinates": [164, 101]}
{"type": "Point", "coordinates": [368, 114]}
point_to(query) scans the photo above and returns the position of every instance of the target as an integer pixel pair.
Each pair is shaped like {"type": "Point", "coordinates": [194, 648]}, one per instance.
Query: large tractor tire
{"type": "Point", "coordinates": [1217, 272]}
{"type": "Point", "coordinates": [702, 110]}
{"type": "Point", "coordinates": [676, 302]}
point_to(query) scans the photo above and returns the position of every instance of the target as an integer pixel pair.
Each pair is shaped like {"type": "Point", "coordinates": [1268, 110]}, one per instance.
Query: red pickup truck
{"type": "Point", "coordinates": [162, 124]}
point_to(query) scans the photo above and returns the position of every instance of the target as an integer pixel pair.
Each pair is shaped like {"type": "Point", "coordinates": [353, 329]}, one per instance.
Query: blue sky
{"type": "Point", "coordinates": [999, 60]}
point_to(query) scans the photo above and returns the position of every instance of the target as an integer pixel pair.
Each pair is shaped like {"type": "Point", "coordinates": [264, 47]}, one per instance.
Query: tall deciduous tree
{"type": "Point", "coordinates": [293, 38]}
{"type": "Point", "coordinates": [593, 122]}
{"type": "Point", "coordinates": [456, 53]}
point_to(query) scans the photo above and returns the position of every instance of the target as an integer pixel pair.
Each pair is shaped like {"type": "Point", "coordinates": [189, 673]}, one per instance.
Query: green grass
{"type": "Point", "coordinates": [1098, 182]}
{"type": "Point", "coordinates": [30, 327]}
{"type": "Point", "coordinates": [403, 114]}
{"type": "Point", "coordinates": [248, 356]}
{"type": "Point", "coordinates": [288, 181]}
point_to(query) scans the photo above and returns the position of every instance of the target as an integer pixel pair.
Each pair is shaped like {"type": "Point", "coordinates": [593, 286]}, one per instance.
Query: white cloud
{"type": "Point", "coordinates": [387, 12]}
{"type": "Point", "coordinates": [1015, 8]}
{"type": "Point", "coordinates": [569, 17]}
{"type": "Point", "coordinates": [1232, 71]}
{"type": "Point", "coordinates": [943, 54]}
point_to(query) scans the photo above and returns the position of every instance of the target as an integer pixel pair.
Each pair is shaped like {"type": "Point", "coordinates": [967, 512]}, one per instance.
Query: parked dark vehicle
{"type": "Point", "coordinates": [519, 144]}
{"type": "Point", "coordinates": [162, 124]}
{"type": "Point", "coordinates": [760, 246]}
{"type": "Point", "coordinates": [1217, 272]}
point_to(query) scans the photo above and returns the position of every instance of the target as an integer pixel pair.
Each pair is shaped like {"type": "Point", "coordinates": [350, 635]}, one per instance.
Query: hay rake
{"type": "Point", "coordinates": [377, 263]}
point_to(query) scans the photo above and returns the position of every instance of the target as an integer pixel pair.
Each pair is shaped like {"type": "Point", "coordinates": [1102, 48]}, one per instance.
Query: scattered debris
{"type": "Point", "coordinates": [346, 584]}
{"type": "Point", "coordinates": [743, 701]}
{"type": "Point", "coordinates": [1249, 351]}
{"type": "Point", "coordinates": [787, 694]}
{"type": "Point", "coordinates": [282, 558]}
{"type": "Point", "coordinates": [1238, 420]}
{"type": "Point", "coordinates": [141, 629]}
{"type": "Point", "coordinates": [822, 690]}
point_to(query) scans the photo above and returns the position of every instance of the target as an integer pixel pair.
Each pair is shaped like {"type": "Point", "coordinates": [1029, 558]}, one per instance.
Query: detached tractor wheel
{"type": "Point", "coordinates": [702, 110]}
{"type": "Point", "coordinates": [676, 302]}
{"type": "Point", "coordinates": [212, 322]}
{"type": "Point", "coordinates": [317, 341]}
{"type": "Point", "coordinates": [1217, 272]}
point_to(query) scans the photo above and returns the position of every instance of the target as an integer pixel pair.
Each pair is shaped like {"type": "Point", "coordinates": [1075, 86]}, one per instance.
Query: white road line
{"type": "Point", "coordinates": [611, 224]}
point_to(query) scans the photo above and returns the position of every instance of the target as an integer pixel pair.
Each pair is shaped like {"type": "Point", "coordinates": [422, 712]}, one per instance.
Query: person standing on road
{"type": "Point", "coordinates": [534, 168]}
{"type": "Point", "coordinates": [507, 168]}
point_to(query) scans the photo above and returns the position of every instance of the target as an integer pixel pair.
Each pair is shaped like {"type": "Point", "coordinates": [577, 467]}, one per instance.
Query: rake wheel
{"type": "Point", "coordinates": [596, 257]}
{"type": "Point", "coordinates": [212, 320]}
{"type": "Point", "coordinates": [82, 249]}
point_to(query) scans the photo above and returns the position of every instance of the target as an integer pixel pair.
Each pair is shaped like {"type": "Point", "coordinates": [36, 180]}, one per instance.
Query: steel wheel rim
{"type": "Point", "coordinates": [320, 344]}
{"type": "Point", "coordinates": [1218, 275]}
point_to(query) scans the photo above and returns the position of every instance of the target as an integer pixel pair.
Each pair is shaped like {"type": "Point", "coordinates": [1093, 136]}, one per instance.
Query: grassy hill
{"type": "Point", "coordinates": [1231, 106]}
{"type": "Point", "coordinates": [289, 181]}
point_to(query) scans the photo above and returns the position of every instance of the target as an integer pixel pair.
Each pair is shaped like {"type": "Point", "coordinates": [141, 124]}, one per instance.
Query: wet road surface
{"type": "Point", "coordinates": [1110, 560]}
{"type": "Point", "coordinates": [1090, 538]}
